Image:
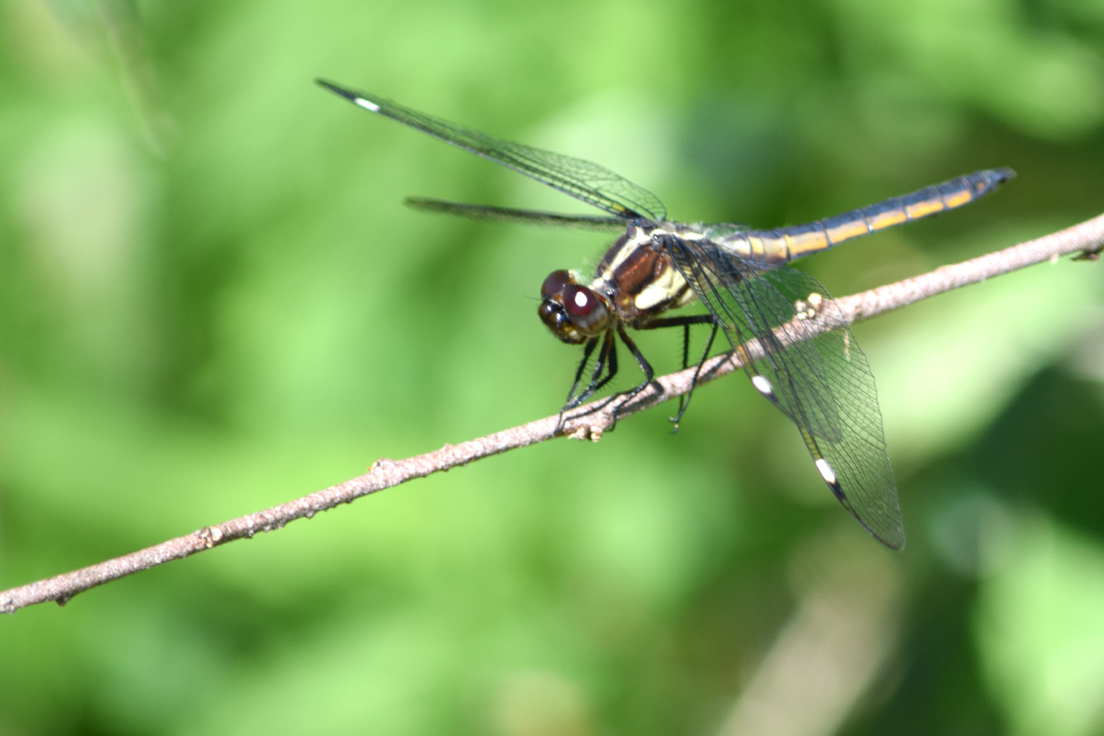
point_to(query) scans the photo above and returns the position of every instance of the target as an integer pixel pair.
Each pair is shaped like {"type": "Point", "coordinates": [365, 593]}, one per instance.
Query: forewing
{"type": "Point", "coordinates": [814, 372]}
{"type": "Point", "coordinates": [508, 214]}
{"type": "Point", "coordinates": [583, 180]}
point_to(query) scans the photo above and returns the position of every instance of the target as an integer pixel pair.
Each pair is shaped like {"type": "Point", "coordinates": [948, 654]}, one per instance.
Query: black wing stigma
{"type": "Point", "coordinates": [807, 362]}
{"type": "Point", "coordinates": [593, 184]}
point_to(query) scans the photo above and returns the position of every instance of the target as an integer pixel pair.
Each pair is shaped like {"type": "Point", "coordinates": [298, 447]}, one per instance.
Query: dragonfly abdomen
{"type": "Point", "coordinates": [782, 245]}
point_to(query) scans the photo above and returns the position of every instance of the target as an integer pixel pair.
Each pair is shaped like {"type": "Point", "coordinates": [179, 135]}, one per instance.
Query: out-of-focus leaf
{"type": "Point", "coordinates": [1040, 629]}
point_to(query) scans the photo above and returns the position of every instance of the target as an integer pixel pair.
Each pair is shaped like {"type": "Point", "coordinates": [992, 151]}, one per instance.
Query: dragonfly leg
{"type": "Point", "coordinates": [684, 401]}
{"type": "Point", "coordinates": [649, 372]}
{"type": "Point", "coordinates": [587, 352]}
{"type": "Point", "coordinates": [685, 323]}
{"type": "Point", "coordinates": [608, 355]}
{"type": "Point", "coordinates": [594, 388]}
{"type": "Point", "coordinates": [685, 346]}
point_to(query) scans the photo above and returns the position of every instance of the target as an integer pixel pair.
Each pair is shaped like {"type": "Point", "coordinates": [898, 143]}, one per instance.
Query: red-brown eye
{"type": "Point", "coordinates": [555, 283]}
{"type": "Point", "coordinates": [571, 311]}
{"type": "Point", "coordinates": [579, 301]}
{"type": "Point", "coordinates": [586, 310]}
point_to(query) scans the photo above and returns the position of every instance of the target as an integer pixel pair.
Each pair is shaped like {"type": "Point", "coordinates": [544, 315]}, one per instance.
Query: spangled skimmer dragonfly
{"type": "Point", "coordinates": [805, 360]}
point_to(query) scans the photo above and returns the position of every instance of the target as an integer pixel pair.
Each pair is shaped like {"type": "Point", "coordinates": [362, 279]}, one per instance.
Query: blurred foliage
{"type": "Point", "coordinates": [212, 301]}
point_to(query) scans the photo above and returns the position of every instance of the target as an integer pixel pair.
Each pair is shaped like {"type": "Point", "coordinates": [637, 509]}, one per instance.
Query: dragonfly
{"type": "Point", "coordinates": [782, 325]}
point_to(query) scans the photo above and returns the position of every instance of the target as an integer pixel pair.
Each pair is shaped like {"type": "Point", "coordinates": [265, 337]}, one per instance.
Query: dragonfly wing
{"type": "Point", "coordinates": [750, 309]}
{"type": "Point", "coordinates": [524, 217]}
{"type": "Point", "coordinates": [817, 376]}
{"type": "Point", "coordinates": [581, 179]}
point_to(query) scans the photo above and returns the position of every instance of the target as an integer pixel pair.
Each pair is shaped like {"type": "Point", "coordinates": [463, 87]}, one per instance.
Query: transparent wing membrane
{"type": "Point", "coordinates": [524, 217]}
{"type": "Point", "coordinates": [581, 179]}
{"type": "Point", "coordinates": [819, 378]}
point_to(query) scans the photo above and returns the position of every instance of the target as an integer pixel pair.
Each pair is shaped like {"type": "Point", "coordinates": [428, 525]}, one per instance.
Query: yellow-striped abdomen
{"type": "Point", "coordinates": [784, 244]}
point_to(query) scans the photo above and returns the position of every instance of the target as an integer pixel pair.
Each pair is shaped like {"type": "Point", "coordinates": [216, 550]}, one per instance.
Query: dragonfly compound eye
{"type": "Point", "coordinates": [555, 283]}
{"type": "Point", "coordinates": [586, 310]}
{"type": "Point", "coordinates": [554, 316]}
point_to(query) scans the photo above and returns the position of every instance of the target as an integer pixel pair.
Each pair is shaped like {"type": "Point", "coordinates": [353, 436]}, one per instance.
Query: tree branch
{"type": "Point", "coordinates": [588, 422]}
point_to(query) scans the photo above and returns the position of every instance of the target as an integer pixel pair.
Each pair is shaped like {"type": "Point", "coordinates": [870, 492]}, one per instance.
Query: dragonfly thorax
{"type": "Point", "coordinates": [639, 277]}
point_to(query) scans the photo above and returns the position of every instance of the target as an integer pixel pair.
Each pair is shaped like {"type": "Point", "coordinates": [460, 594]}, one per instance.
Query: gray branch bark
{"type": "Point", "coordinates": [588, 422]}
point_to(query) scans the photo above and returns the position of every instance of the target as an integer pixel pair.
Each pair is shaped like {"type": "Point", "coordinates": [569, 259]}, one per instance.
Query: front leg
{"type": "Point", "coordinates": [608, 354]}
{"type": "Point", "coordinates": [588, 350]}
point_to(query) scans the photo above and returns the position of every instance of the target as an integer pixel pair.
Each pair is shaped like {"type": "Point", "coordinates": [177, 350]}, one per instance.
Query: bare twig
{"type": "Point", "coordinates": [586, 423]}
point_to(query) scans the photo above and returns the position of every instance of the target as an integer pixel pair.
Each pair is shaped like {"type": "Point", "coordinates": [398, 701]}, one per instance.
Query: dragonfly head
{"type": "Point", "coordinates": [575, 313]}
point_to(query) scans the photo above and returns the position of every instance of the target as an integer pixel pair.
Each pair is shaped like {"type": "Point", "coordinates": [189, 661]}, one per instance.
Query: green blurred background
{"type": "Point", "coordinates": [212, 301]}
